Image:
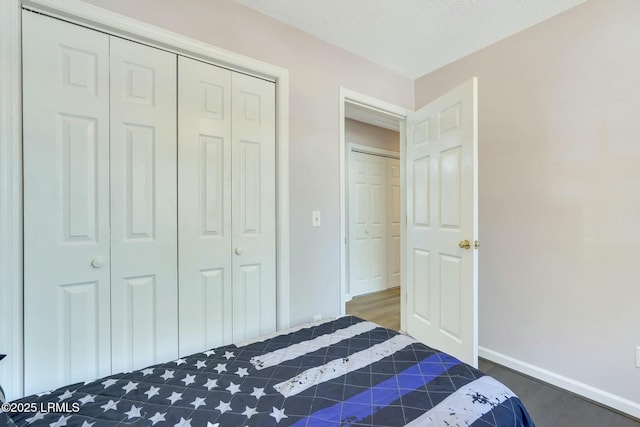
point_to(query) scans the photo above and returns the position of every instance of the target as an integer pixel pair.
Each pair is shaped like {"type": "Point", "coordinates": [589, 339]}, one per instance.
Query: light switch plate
{"type": "Point", "coordinates": [315, 219]}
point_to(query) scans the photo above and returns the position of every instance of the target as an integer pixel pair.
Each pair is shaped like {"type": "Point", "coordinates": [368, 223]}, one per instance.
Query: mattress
{"type": "Point", "coordinates": [345, 372]}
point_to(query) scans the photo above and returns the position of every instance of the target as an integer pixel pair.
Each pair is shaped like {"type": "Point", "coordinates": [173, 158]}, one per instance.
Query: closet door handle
{"type": "Point", "coordinates": [239, 251]}
{"type": "Point", "coordinates": [97, 262]}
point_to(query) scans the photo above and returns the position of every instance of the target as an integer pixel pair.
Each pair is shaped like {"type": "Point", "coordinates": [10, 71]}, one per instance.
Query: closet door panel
{"type": "Point", "coordinates": [66, 203]}
{"type": "Point", "coordinates": [204, 181]}
{"type": "Point", "coordinates": [368, 205]}
{"type": "Point", "coordinates": [359, 208]}
{"type": "Point", "coordinates": [393, 222]}
{"type": "Point", "coordinates": [377, 227]}
{"type": "Point", "coordinates": [143, 205]}
{"type": "Point", "coordinates": [254, 198]}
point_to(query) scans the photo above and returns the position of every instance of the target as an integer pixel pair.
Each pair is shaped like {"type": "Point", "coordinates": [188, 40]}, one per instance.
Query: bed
{"type": "Point", "coordinates": [344, 372]}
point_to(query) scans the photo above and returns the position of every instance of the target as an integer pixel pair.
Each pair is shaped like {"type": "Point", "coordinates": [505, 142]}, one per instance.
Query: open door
{"type": "Point", "coordinates": [442, 223]}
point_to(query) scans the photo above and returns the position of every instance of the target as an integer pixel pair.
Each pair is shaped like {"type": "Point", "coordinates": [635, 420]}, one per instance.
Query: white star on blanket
{"type": "Point", "coordinates": [278, 414]}
{"type": "Point", "coordinates": [36, 417]}
{"type": "Point", "coordinates": [153, 391]}
{"type": "Point", "coordinates": [174, 397]}
{"type": "Point", "coordinates": [167, 374]}
{"type": "Point", "coordinates": [157, 418]}
{"type": "Point", "coordinates": [134, 412]}
{"type": "Point", "coordinates": [62, 421]}
{"type": "Point", "coordinates": [211, 383]}
{"type": "Point", "coordinates": [198, 402]}
{"type": "Point", "coordinates": [233, 388]}
{"type": "Point", "coordinates": [87, 399]}
{"type": "Point", "coordinates": [110, 406]}
{"type": "Point", "coordinates": [129, 387]}
{"type": "Point", "coordinates": [109, 383]}
{"type": "Point", "coordinates": [148, 371]}
{"type": "Point", "coordinates": [183, 423]}
{"type": "Point", "coordinates": [258, 392]}
{"type": "Point", "coordinates": [249, 412]}
{"type": "Point", "coordinates": [66, 395]}
{"type": "Point", "coordinates": [189, 379]}
{"type": "Point", "coordinates": [224, 407]}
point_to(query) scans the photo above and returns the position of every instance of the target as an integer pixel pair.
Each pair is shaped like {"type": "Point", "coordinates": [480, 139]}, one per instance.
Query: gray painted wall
{"type": "Point", "coordinates": [559, 188]}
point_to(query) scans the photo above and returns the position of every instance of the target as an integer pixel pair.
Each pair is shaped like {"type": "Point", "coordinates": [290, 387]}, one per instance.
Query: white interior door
{"type": "Point", "coordinates": [204, 208]}
{"type": "Point", "coordinates": [67, 335]}
{"type": "Point", "coordinates": [253, 206]}
{"type": "Point", "coordinates": [144, 282]}
{"type": "Point", "coordinates": [442, 213]}
{"type": "Point", "coordinates": [367, 223]}
{"type": "Point", "coordinates": [393, 222]}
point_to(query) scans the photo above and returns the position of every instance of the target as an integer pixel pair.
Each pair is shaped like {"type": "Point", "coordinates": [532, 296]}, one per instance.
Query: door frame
{"type": "Point", "coordinates": [348, 96]}
{"type": "Point", "coordinates": [11, 243]}
{"type": "Point", "coordinates": [364, 149]}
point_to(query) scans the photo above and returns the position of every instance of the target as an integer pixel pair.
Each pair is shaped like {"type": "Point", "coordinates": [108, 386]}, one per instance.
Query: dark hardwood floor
{"type": "Point", "coordinates": [549, 406]}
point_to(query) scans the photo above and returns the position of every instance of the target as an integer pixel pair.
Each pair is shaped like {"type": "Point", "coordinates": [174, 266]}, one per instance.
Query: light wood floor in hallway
{"type": "Point", "coordinates": [382, 308]}
{"type": "Point", "coordinates": [549, 406]}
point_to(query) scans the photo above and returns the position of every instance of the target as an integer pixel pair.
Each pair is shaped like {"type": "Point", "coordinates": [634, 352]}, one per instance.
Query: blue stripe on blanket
{"type": "Point", "coordinates": [364, 404]}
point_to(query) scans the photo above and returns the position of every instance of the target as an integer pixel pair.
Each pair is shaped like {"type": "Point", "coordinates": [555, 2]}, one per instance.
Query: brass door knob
{"type": "Point", "coordinates": [464, 244]}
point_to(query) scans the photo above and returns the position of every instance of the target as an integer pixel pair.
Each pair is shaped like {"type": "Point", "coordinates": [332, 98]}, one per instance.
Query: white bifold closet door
{"type": "Point", "coordinates": [374, 223]}
{"type": "Point", "coordinates": [99, 204]}
{"type": "Point", "coordinates": [393, 222]}
{"type": "Point", "coordinates": [144, 276]}
{"type": "Point", "coordinates": [367, 224]}
{"type": "Point", "coordinates": [67, 330]}
{"type": "Point", "coordinates": [226, 179]}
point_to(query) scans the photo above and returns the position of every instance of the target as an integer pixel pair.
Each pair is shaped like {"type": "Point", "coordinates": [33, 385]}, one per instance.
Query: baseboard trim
{"type": "Point", "coordinates": [592, 393]}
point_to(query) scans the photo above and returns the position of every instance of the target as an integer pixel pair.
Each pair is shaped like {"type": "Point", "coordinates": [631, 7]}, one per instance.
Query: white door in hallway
{"type": "Point", "coordinates": [442, 223]}
{"type": "Point", "coordinates": [367, 223]}
{"type": "Point", "coordinates": [393, 222]}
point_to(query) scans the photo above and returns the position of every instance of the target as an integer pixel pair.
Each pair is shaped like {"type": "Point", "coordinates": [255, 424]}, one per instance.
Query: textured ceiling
{"type": "Point", "coordinates": [412, 37]}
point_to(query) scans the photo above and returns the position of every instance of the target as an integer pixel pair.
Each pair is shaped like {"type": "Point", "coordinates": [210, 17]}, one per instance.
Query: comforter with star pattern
{"type": "Point", "coordinates": [346, 372]}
